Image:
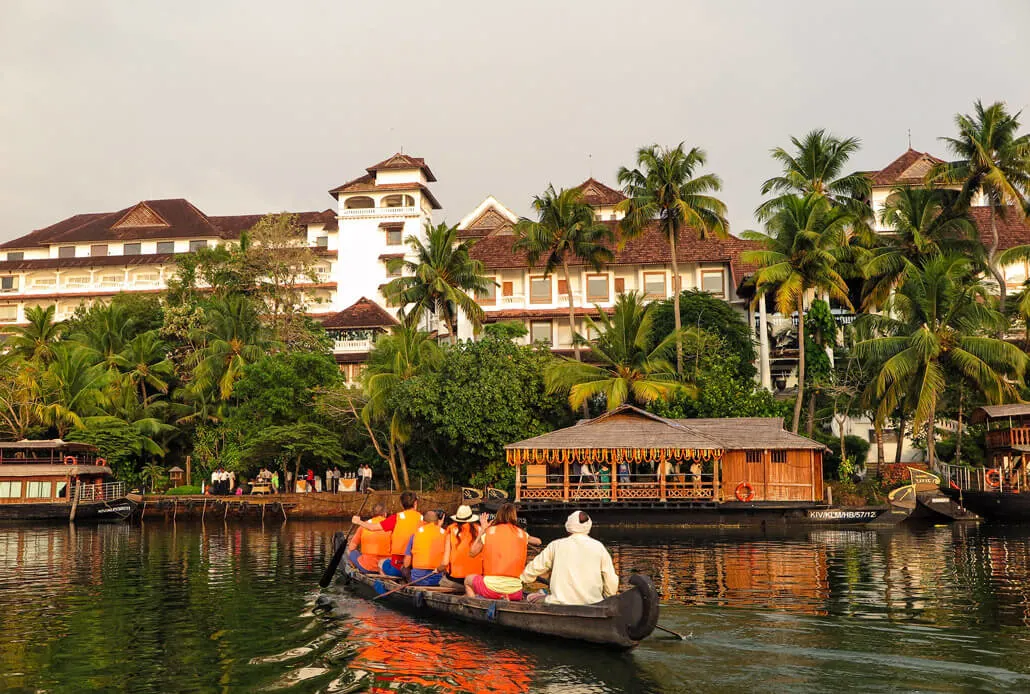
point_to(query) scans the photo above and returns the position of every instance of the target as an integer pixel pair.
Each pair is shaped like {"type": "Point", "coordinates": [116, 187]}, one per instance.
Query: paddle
{"type": "Point", "coordinates": [670, 631]}
{"type": "Point", "coordinates": [330, 571]}
{"type": "Point", "coordinates": [406, 585]}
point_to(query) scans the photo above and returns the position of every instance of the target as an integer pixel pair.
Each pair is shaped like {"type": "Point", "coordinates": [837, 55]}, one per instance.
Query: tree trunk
{"type": "Point", "coordinates": [404, 466]}
{"type": "Point", "coordinates": [878, 433]}
{"type": "Point", "coordinates": [810, 424]}
{"type": "Point", "coordinates": [900, 437]}
{"type": "Point", "coordinates": [453, 327]}
{"type": "Point", "coordinates": [572, 310]}
{"type": "Point", "coordinates": [843, 448]}
{"type": "Point", "coordinates": [931, 435]}
{"type": "Point", "coordinates": [958, 437]}
{"type": "Point", "coordinates": [999, 276]}
{"type": "Point", "coordinates": [801, 360]}
{"type": "Point", "coordinates": [296, 470]}
{"type": "Point", "coordinates": [676, 308]}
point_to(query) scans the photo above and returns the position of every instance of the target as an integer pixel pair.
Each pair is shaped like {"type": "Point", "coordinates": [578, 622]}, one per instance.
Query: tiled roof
{"type": "Point", "coordinates": [363, 313]}
{"type": "Point", "coordinates": [88, 262]}
{"type": "Point", "coordinates": [596, 194]}
{"type": "Point", "coordinates": [367, 184]}
{"type": "Point", "coordinates": [908, 169]}
{"type": "Point", "coordinates": [403, 161]}
{"type": "Point", "coordinates": [1013, 229]}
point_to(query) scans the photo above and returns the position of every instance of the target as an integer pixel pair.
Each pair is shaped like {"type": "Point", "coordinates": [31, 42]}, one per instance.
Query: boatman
{"type": "Point", "coordinates": [424, 557]}
{"type": "Point", "coordinates": [401, 527]}
{"type": "Point", "coordinates": [580, 568]}
{"type": "Point", "coordinates": [368, 548]}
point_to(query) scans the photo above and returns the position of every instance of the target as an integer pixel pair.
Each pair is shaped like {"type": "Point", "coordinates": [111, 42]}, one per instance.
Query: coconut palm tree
{"type": "Point", "coordinates": [105, 330]}
{"type": "Point", "coordinates": [993, 160]}
{"type": "Point", "coordinates": [667, 189]}
{"type": "Point", "coordinates": [806, 240]}
{"type": "Point", "coordinates": [923, 223]}
{"type": "Point", "coordinates": [937, 319]}
{"type": "Point", "coordinates": [621, 366]}
{"type": "Point", "coordinates": [232, 337]}
{"type": "Point", "coordinates": [440, 280]}
{"type": "Point", "coordinates": [565, 231]}
{"type": "Point", "coordinates": [39, 338]}
{"type": "Point", "coordinates": [144, 363]}
{"type": "Point", "coordinates": [73, 387]}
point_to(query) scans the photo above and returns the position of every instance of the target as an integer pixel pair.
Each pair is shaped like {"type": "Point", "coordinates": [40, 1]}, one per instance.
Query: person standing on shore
{"type": "Point", "coordinates": [275, 481]}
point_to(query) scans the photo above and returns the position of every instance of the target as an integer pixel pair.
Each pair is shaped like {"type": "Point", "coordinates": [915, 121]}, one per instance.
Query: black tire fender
{"type": "Point", "coordinates": [649, 614]}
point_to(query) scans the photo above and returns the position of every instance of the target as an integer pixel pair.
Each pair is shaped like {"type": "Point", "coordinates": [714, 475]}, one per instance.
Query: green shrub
{"type": "Point", "coordinates": [183, 490]}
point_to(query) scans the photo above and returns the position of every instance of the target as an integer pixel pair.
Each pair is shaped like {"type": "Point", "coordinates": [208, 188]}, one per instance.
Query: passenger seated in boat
{"type": "Point", "coordinates": [424, 556]}
{"type": "Point", "coordinates": [368, 548]}
{"type": "Point", "coordinates": [460, 536]}
{"type": "Point", "coordinates": [503, 545]}
{"type": "Point", "coordinates": [580, 568]}
{"type": "Point", "coordinates": [401, 527]}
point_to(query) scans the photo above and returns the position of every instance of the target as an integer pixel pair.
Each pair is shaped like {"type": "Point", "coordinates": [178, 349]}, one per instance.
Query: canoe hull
{"type": "Point", "coordinates": [113, 510]}
{"type": "Point", "coordinates": [994, 506]}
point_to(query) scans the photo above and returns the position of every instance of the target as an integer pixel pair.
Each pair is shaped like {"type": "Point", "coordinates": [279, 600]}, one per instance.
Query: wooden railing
{"type": "Point", "coordinates": [1003, 438]}
{"type": "Point", "coordinates": [979, 479]}
{"type": "Point", "coordinates": [635, 488]}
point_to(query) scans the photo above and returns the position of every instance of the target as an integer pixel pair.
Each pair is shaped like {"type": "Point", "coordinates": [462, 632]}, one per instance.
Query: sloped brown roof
{"type": "Point", "coordinates": [982, 414]}
{"type": "Point", "coordinates": [363, 313]}
{"type": "Point", "coordinates": [88, 262]}
{"type": "Point", "coordinates": [908, 169]}
{"type": "Point", "coordinates": [752, 433]}
{"type": "Point", "coordinates": [1013, 229]}
{"type": "Point", "coordinates": [367, 184]}
{"type": "Point", "coordinates": [596, 194]}
{"type": "Point", "coordinates": [403, 161]}
{"type": "Point", "coordinates": [490, 222]}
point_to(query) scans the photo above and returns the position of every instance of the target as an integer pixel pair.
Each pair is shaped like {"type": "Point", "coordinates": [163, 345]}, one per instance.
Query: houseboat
{"type": "Point", "coordinates": [60, 480]}
{"type": "Point", "coordinates": [998, 491]}
{"type": "Point", "coordinates": [629, 466]}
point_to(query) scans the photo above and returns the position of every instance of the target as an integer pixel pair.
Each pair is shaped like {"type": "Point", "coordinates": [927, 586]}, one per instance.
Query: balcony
{"type": "Point", "coordinates": [513, 300]}
{"type": "Point", "coordinates": [353, 345]}
{"type": "Point", "coordinates": [379, 212]}
{"type": "Point", "coordinates": [1008, 438]}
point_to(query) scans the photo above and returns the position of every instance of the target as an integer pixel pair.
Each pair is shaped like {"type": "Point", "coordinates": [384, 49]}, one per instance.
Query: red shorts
{"type": "Point", "coordinates": [479, 586]}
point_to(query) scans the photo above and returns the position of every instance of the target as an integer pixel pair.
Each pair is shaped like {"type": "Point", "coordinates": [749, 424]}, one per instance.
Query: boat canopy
{"type": "Point", "coordinates": [52, 470]}
{"type": "Point", "coordinates": [48, 444]}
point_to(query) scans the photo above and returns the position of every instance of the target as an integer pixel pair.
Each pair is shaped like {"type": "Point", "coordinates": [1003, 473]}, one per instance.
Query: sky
{"type": "Point", "coordinates": [261, 106]}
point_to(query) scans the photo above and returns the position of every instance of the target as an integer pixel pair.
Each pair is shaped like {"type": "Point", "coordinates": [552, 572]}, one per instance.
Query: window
{"type": "Point", "coordinates": [197, 246]}
{"type": "Point", "coordinates": [489, 297]}
{"type": "Point", "coordinates": [540, 331]}
{"type": "Point", "coordinates": [62, 490]}
{"type": "Point", "coordinates": [394, 236]}
{"type": "Point", "coordinates": [132, 249]}
{"type": "Point", "coordinates": [146, 278]}
{"type": "Point", "coordinates": [539, 290]}
{"type": "Point", "coordinates": [712, 282]}
{"type": "Point", "coordinates": [111, 280]}
{"type": "Point", "coordinates": [508, 289]}
{"type": "Point", "coordinates": [753, 456]}
{"type": "Point", "coordinates": [397, 201]}
{"type": "Point", "coordinates": [8, 284]}
{"type": "Point", "coordinates": [321, 242]}
{"type": "Point", "coordinates": [620, 285]}
{"type": "Point", "coordinates": [779, 456]}
{"type": "Point", "coordinates": [394, 267]}
{"type": "Point", "coordinates": [77, 280]}
{"type": "Point", "coordinates": [654, 285]}
{"type": "Point", "coordinates": [8, 313]}
{"type": "Point", "coordinates": [361, 202]}
{"type": "Point", "coordinates": [66, 252]}
{"type": "Point", "coordinates": [16, 255]}
{"type": "Point", "coordinates": [98, 250]}
{"type": "Point", "coordinates": [597, 287]}
{"type": "Point", "coordinates": [44, 282]}
{"type": "Point", "coordinates": [37, 490]}
{"type": "Point", "coordinates": [10, 490]}
{"type": "Point", "coordinates": [563, 288]}
{"type": "Point", "coordinates": [166, 246]}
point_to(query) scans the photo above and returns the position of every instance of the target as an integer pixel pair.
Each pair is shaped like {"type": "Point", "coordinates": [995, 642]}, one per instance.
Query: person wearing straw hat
{"type": "Point", "coordinates": [461, 535]}
{"type": "Point", "coordinates": [580, 568]}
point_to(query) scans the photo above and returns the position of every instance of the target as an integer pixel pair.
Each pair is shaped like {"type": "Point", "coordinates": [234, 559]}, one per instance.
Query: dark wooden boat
{"type": "Point", "coordinates": [59, 481]}
{"type": "Point", "coordinates": [620, 621]}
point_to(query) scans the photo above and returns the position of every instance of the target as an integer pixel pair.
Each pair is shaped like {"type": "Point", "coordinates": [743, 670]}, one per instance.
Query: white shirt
{"type": "Point", "coordinates": [581, 570]}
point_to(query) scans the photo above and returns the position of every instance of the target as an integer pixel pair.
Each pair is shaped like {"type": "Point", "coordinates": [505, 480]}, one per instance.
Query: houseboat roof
{"type": "Point", "coordinates": [988, 412]}
{"type": "Point", "coordinates": [51, 470]}
{"type": "Point", "coordinates": [629, 427]}
{"type": "Point", "coordinates": [47, 444]}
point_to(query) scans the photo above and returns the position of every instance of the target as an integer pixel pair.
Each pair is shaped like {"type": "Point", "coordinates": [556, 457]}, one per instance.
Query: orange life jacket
{"type": "Point", "coordinates": [462, 564]}
{"type": "Point", "coordinates": [427, 547]}
{"type": "Point", "coordinates": [407, 523]}
{"type": "Point", "coordinates": [504, 553]}
{"type": "Point", "coordinates": [375, 545]}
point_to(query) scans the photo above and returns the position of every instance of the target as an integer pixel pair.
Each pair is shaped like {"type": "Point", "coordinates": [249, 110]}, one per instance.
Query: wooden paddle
{"type": "Point", "coordinates": [330, 571]}
{"type": "Point", "coordinates": [670, 631]}
{"type": "Point", "coordinates": [406, 585]}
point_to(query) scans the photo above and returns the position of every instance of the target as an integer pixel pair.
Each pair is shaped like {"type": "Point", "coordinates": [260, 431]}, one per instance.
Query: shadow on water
{"type": "Point", "coordinates": [216, 607]}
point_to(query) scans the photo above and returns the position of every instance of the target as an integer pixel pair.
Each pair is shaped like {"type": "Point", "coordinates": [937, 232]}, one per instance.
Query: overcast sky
{"type": "Point", "coordinates": [247, 107]}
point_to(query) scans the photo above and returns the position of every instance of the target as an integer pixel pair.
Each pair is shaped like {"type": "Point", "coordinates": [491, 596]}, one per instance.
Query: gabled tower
{"type": "Point", "coordinates": [377, 212]}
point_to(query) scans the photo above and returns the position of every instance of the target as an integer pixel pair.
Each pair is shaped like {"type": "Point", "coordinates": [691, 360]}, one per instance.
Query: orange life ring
{"type": "Point", "coordinates": [71, 460]}
{"type": "Point", "coordinates": [101, 461]}
{"type": "Point", "coordinates": [993, 478]}
{"type": "Point", "coordinates": [744, 492]}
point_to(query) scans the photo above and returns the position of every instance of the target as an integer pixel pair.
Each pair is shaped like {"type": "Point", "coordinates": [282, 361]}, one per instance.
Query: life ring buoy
{"type": "Point", "coordinates": [71, 460]}
{"type": "Point", "coordinates": [993, 478]}
{"type": "Point", "coordinates": [744, 492]}
{"type": "Point", "coordinates": [102, 461]}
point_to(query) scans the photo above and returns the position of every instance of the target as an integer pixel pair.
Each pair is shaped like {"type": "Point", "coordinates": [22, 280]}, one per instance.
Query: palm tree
{"type": "Point", "coordinates": [144, 363]}
{"type": "Point", "coordinates": [993, 160]}
{"type": "Point", "coordinates": [232, 338]}
{"type": "Point", "coordinates": [105, 330]}
{"type": "Point", "coordinates": [74, 387]}
{"type": "Point", "coordinates": [439, 280]}
{"type": "Point", "coordinates": [923, 224]}
{"type": "Point", "coordinates": [21, 396]}
{"type": "Point", "coordinates": [806, 240]}
{"type": "Point", "coordinates": [817, 166]}
{"type": "Point", "coordinates": [939, 319]}
{"type": "Point", "coordinates": [566, 230]}
{"type": "Point", "coordinates": [666, 187]}
{"type": "Point", "coordinates": [39, 338]}
{"type": "Point", "coordinates": [621, 365]}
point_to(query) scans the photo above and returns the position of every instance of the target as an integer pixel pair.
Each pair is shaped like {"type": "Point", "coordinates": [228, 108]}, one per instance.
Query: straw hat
{"type": "Point", "coordinates": [465, 515]}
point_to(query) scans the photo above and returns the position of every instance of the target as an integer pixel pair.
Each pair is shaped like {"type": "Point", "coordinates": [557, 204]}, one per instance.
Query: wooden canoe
{"type": "Point", "coordinates": [620, 621]}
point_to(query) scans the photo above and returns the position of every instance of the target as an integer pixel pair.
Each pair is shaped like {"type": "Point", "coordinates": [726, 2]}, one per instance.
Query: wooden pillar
{"type": "Point", "coordinates": [565, 485]}
{"type": "Point", "coordinates": [812, 480]}
{"type": "Point", "coordinates": [765, 473]}
{"type": "Point", "coordinates": [518, 477]}
{"type": "Point", "coordinates": [614, 474]}
{"type": "Point", "coordinates": [661, 478]}
{"type": "Point", "coordinates": [716, 482]}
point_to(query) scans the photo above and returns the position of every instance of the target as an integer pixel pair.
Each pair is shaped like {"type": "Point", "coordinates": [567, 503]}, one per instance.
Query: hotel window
{"type": "Point", "coordinates": [753, 456]}
{"type": "Point", "coordinates": [111, 280]}
{"type": "Point", "coordinates": [44, 282]}
{"type": "Point", "coordinates": [132, 249]}
{"type": "Point", "coordinates": [321, 242]}
{"type": "Point", "coordinates": [712, 281]}
{"type": "Point", "coordinates": [539, 290]}
{"type": "Point", "coordinates": [38, 490]}
{"type": "Point", "coordinates": [778, 456]}
{"type": "Point", "coordinates": [166, 246]}
{"type": "Point", "coordinates": [508, 289]}
{"type": "Point", "coordinates": [77, 281]}
{"type": "Point", "coordinates": [8, 313]}
{"type": "Point", "coordinates": [10, 490]}
{"type": "Point", "coordinates": [98, 250]}
{"type": "Point", "coordinates": [540, 331]}
{"type": "Point", "coordinates": [563, 287]}
{"type": "Point", "coordinates": [394, 268]}
{"type": "Point", "coordinates": [597, 287]}
{"type": "Point", "coordinates": [8, 284]}
{"type": "Point", "coordinates": [66, 252]}
{"type": "Point", "coordinates": [620, 285]}
{"type": "Point", "coordinates": [488, 297]}
{"type": "Point", "coordinates": [394, 236]}
{"type": "Point", "coordinates": [654, 285]}
{"type": "Point", "coordinates": [197, 246]}
{"type": "Point", "coordinates": [16, 255]}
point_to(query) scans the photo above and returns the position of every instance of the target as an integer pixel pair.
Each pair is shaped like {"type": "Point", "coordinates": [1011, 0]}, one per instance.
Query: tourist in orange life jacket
{"type": "Point", "coordinates": [503, 545]}
{"type": "Point", "coordinates": [401, 527]}
{"type": "Point", "coordinates": [367, 548]}
{"type": "Point", "coordinates": [424, 556]}
{"type": "Point", "coordinates": [461, 534]}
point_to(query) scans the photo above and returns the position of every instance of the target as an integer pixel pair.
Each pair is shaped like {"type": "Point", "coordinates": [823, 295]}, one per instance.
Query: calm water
{"type": "Point", "coordinates": [226, 608]}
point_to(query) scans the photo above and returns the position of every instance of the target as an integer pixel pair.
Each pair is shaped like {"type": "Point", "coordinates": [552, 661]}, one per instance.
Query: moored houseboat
{"type": "Point", "coordinates": [60, 480]}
